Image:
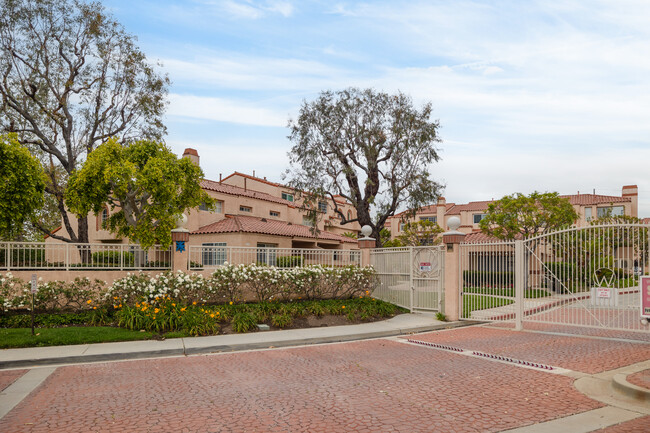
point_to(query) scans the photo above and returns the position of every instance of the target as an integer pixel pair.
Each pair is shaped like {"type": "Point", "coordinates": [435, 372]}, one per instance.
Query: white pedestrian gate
{"type": "Point", "coordinates": [411, 277]}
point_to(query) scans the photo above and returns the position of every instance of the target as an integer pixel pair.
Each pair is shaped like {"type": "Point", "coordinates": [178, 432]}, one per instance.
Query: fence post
{"type": "Point", "coordinates": [519, 284]}
{"type": "Point", "coordinates": [180, 240]}
{"type": "Point", "coordinates": [366, 243]}
{"type": "Point", "coordinates": [67, 257]}
{"type": "Point", "coordinates": [122, 257]}
{"type": "Point", "coordinates": [7, 257]}
{"type": "Point", "coordinates": [453, 282]}
{"type": "Point", "coordinates": [411, 285]}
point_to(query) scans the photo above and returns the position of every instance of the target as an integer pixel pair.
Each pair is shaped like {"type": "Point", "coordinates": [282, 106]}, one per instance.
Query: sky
{"type": "Point", "coordinates": [530, 95]}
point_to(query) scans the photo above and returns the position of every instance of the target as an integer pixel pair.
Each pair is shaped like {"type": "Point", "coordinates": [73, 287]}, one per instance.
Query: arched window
{"type": "Point", "coordinates": [349, 215]}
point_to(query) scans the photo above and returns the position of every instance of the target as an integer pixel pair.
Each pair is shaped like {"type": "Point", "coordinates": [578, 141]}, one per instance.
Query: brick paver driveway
{"type": "Point", "coordinates": [368, 386]}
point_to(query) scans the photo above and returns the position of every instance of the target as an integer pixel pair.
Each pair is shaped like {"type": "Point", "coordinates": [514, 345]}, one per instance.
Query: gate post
{"type": "Point", "coordinates": [452, 283]}
{"type": "Point", "coordinates": [366, 243]}
{"type": "Point", "coordinates": [180, 240]}
{"type": "Point", "coordinates": [520, 269]}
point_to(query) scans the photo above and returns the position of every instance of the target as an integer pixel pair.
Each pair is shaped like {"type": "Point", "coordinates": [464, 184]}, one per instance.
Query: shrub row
{"type": "Point", "coordinates": [230, 283]}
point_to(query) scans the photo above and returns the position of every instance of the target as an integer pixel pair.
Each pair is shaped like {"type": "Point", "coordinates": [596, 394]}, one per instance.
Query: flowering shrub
{"type": "Point", "coordinates": [228, 284]}
{"type": "Point", "coordinates": [81, 294]}
{"type": "Point", "coordinates": [141, 287]}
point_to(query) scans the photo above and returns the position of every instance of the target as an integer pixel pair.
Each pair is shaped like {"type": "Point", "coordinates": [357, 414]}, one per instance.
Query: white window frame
{"type": "Point", "coordinates": [287, 196]}
{"type": "Point", "coordinates": [480, 215]}
{"type": "Point", "coordinates": [247, 209]}
{"type": "Point", "coordinates": [214, 256]}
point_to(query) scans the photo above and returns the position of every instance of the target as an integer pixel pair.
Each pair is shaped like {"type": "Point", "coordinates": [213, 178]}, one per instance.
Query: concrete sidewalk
{"type": "Point", "coordinates": [398, 325]}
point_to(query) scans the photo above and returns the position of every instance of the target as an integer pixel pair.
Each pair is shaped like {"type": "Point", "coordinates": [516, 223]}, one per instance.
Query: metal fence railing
{"type": "Point", "coordinates": [211, 256]}
{"type": "Point", "coordinates": [66, 256]}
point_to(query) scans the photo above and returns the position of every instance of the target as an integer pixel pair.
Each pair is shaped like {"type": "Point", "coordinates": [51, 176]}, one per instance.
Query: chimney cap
{"type": "Point", "coordinates": [190, 151]}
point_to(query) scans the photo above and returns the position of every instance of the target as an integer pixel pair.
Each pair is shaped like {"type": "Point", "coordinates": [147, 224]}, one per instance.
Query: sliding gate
{"type": "Point", "coordinates": [579, 277]}
{"type": "Point", "coordinates": [411, 277]}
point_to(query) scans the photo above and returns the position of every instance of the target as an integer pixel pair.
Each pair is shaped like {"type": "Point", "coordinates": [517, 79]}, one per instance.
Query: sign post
{"type": "Point", "coordinates": [34, 291]}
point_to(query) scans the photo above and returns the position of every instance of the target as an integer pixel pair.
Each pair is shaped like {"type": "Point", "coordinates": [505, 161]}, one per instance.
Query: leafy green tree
{"type": "Point", "coordinates": [418, 233]}
{"type": "Point", "coordinates": [145, 186]}
{"type": "Point", "coordinates": [23, 183]}
{"type": "Point", "coordinates": [372, 148]}
{"type": "Point", "coordinates": [527, 215]}
{"type": "Point", "coordinates": [71, 78]}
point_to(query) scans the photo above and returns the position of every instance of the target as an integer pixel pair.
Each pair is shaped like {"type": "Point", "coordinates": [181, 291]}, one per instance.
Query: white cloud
{"type": "Point", "coordinates": [223, 110]}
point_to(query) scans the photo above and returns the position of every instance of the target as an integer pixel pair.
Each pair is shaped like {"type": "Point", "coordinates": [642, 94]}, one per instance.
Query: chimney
{"type": "Point", "coordinates": [632, 191]}
{"type": "Point", "coordinates": [253, 173]}
{"type": "Point", "coordinates": [244, 184]}
{"type": "Point", "coordinates": [441, 201]}
{"type": "Point", "coordinates": [219, 177]}
{"type": "Point", "coordinates": [192, 155]}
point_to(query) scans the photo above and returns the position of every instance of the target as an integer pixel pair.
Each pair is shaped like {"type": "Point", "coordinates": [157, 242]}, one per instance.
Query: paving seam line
{"type": "Point", "coordinates": [12, 395]}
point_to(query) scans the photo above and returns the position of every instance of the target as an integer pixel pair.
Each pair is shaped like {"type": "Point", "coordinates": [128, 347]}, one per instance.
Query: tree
{"type": "Point", "coordinates": [419, 233]}
{"type": "Point", "coordinates": [71, 78]}
{"type": "Point", "coordinates": [521, 215]}
{"type": "Point", "coordinates": [23, 183]}
{"type": "Point", "coordinates": [145, 186]}
{"type": "Point", "coordinates": [372, 148]}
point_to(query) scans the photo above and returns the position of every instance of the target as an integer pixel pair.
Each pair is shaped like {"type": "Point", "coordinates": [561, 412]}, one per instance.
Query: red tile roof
{"type": "Point", "coordinates": [249, 224]}
{"type": "Point", "coordinates": [236, 173]}
{"type": "Point", "coordinates": [235, 190]}
{"type": "Point", "coordinates": [472, 206]}
{"type": "Point", "coordinates": [591, 199]}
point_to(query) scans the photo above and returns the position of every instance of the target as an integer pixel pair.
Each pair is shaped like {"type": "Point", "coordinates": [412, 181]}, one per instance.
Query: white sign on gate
{"type": "Point", "coordinates": [425, 266]}
{"type": "Point", "coordinates": [604, 292]}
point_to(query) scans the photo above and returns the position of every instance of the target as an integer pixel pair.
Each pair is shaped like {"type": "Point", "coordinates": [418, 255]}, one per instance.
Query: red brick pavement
{"type": "Point", "coordinates": [368, 386]}
{"type": "Point", "coordinates": [588, 355]}
{"type": "Point", "coordinates": [642, 379]}
{"type": "Point", "coordinates": [638, 425]}
{"type": "Point", "coordinates": [8, 377]}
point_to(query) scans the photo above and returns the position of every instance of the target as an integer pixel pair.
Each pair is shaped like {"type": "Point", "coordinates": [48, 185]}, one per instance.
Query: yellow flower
{"type": "Point", "coordinates": [156, 310]}
{"type": "Point", "coordinates": [173, 305]}
{"type": "Point", "coordinates": [194, 303]}
{"type": "Point", "coordinates": [367, 292]}
{"type": "Point", "coordinates": [154, 317]}
{"type": "Point", "coordinates": [89, 301]}
{"type": "Point", "coordinates": [342, 306]}
{"type": "Point", "coordinates": [183, 309]}
{"type": "Point", "coordinates": [218, 313]}
{"type": "Point", "coordinates": [137, 305]}
{"type": "Point", "coordinates": [212, 315]}
{"type": "Point", "coordinates": [230, 302]}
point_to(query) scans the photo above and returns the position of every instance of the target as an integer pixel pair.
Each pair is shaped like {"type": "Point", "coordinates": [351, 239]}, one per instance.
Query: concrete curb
{"type": "Point", "coordinates": [620, 383]}
{"type": "Point", "coordinates": [194, 346]}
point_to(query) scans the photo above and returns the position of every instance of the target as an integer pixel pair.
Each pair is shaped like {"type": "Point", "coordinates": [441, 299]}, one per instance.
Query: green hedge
{"type": "Point", "coordinates": [288, 261]}
{"type": "Point", "coordinates": [27, 257]}
{"type": "Point", "coordinates": [112, 258]}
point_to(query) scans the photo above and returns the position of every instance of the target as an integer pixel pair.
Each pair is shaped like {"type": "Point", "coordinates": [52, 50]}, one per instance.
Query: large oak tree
{"type": "Point", "coordinates": [372, 148]}
{"type": "Point", "coordinates": [71, 78]}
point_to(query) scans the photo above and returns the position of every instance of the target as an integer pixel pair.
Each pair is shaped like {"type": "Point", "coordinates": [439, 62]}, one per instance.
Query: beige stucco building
{"type": "Point", "coordinates": [251, 212]}
{"type": "Point", "coordinates": [587, 206]}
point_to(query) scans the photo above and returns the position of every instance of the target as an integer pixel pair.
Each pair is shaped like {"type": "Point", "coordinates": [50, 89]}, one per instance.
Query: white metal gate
{"type": "Point", "coordinates": [584, 276]}
{"type": "Point", "coordinates": [411, 277]}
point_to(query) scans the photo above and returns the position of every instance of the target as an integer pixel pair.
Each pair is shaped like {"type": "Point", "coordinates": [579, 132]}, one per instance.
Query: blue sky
{"type": "Point", "coordinates": [533, 95]}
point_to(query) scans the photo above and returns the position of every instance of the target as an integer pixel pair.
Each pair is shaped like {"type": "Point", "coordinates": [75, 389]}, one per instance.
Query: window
{"type": "Point", "coordinates": [478, 217]}
{"type": "Point", "coordinates": [588, 213]}
{"type": "Point", "coordinates": [266, 253]}
{"type": "Point", "coordinates": [246, 209]}
{"type": "Point", "coordinates": [322, 206]}
{"type": "Point", "coordinates": [611, 211]}
{"type": "Point", "coordinates": [349, 215]}
{"type": "Point", "coordinates": [287, 196]}
{"type": "Point", "coordinates": [274, 213]}
{"type": "Point", "coordinates": [214, 253]}
{"type": "Point", "coordinates": [429, 218]}
{"type": "Point", "coordinates": [217, 207]}
{"type": "Point", "coordinates": [401, 226]}
{"type": "Point", "coordinates": [307, 221]}
{"type": "Point", "coordinates": [104, 215]}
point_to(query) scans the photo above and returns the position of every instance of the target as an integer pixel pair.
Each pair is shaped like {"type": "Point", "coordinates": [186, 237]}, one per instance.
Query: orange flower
{"type": "Point", "coordinates": [194, 303]}
{"type": "Point", "coordinates": [212, 315]}
{"type": "Point", "coordinates": [230, 302]}
{"type": "Point", "coordinates": [183, 309]}
{"type": "Point", "coordinates": [342, 306]}
{"type": "Point", "coordinates": [156, 310]}
{"type": "Point", "coordinates": [89, 301]}
{"type": "Point", "coordinates": [94, 308]}
{"type": "Point", "coordinates": [173, 305]}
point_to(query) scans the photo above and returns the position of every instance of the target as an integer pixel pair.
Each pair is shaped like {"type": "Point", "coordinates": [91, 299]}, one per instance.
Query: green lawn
{"type": "Point", "coordinates": [476, 302]}
{"type": "Point", "coordinates": [22, 337]}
